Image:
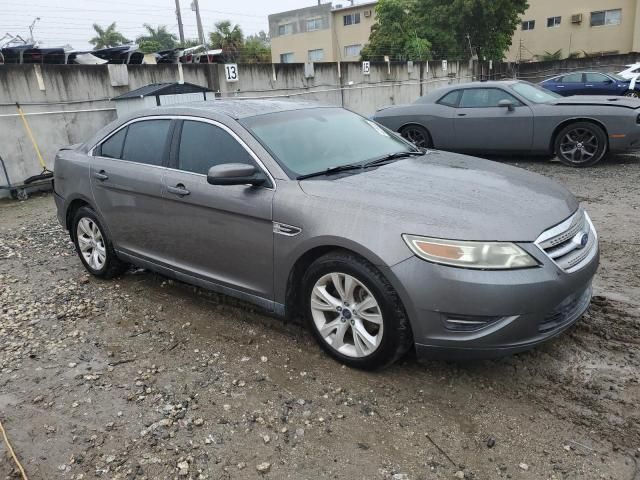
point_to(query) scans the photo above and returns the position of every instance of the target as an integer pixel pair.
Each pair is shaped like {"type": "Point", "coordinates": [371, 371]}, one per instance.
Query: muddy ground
{"type": "Point", "coordinates": [143, 377]}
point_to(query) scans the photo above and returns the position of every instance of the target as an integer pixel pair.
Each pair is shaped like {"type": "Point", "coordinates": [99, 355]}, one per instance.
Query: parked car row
{"type": "Point", "coordinates": [592, 83]}
{"type": "Point", "coordinates": [517, 117]}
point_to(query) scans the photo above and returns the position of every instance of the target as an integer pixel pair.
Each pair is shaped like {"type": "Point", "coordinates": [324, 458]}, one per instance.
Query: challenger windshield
{"type": "Point", "coordinates": [316, 139]}
{"type": "Point", "coordinates": [534, 93]}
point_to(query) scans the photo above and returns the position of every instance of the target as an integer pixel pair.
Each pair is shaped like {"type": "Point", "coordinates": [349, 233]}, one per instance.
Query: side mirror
{"type": "Point", "coordinates": [507, 103]}
{"type": "Point", "coordinates": [235, 174]}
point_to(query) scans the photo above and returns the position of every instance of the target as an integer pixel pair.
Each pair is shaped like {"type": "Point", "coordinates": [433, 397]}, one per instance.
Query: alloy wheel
{"type": "Point", "coordinates": [416, 136]}
{"type": "Point", "coordinates": [91, 243]}
{"type": "Point", "coordinates": [632, 94]}
{"type": "Point", "coordinates": [579, 145]}
{"type": "Point", "coordinates": [347, 315]}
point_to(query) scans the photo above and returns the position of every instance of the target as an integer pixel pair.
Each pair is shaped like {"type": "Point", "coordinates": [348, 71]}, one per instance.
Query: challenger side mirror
{"type": "Point", "coordinates": [508, 104]}
{"type": "Point", "coordinates": [235, 174]}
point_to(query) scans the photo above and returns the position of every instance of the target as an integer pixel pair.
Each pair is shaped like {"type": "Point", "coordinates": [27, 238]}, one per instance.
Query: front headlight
{"type": "Point", "coordinates": [478, 255]}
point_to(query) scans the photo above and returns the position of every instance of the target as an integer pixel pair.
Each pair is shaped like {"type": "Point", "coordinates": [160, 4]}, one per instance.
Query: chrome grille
{"type": "Point", "coordinates": [571, 244]}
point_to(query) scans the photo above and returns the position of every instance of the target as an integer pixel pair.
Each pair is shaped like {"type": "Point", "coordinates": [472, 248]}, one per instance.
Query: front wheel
{"type": "Point", "coordinates": [581, 144]}
{"type": "Point", "coordinates": [354, 313]}
{"type": "Point", "coordinates": [632, 94]}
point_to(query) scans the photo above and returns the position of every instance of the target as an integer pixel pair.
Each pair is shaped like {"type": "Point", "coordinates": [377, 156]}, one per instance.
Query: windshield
{"type": "Point", "coordinates": [316, 139]}
{"type": "Point", "coordinates": [620, 78]}
{"type": "Point", "coordinates": [534, 93]}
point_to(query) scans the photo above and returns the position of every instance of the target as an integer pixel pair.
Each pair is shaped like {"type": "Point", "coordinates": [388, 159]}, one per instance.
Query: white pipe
{"type": "Point", "coordinates": [57, 112]}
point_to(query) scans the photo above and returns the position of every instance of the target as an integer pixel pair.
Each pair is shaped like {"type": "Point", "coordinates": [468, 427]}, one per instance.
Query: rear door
{"type": "Point", "coordinates": [126, 181]}
{"type": "Point", "coordinates": [572, 84]}
{"type": "Point", "coordinates": [219, 233]}
{"type": "Point", "coordinates": [481, 125]}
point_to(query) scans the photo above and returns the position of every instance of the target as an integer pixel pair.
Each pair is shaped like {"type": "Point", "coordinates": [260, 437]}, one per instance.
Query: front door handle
{"type": "Point", "coordinates": [101, 175]}
{"type": "Point", "coordinates": [179, 190]}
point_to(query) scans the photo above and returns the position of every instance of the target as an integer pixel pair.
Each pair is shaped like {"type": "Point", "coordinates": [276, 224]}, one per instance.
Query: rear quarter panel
{"type": "Point", "coordinates": [437, 119]}
{"type": "Point", "coordinates": [71, 180]}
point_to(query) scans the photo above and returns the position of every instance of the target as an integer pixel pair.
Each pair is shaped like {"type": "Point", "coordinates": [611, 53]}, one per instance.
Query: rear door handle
{"type": "Point", "coordinates": [101, 175]}
{"type": "Point", "coordinates": [462, 114]}
{"type": "Point", "coordinates": [179, 190]}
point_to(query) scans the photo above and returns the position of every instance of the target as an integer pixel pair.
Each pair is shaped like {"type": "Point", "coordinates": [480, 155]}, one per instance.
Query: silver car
{"type": "Point", "coordinates": [507, 117]}
{"type": "Point", "coordinates": [315, 212]}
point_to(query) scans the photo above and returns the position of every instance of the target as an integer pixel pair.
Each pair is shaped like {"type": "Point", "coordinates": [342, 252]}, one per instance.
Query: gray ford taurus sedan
{"type": "Point", "coordinates": [316, 212]}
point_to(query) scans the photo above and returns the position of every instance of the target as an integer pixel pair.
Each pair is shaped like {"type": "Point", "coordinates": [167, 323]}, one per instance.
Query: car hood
{"type": "Point", "coordinates": [451, 196]}
{"type": "Point", "coordinates": [625, 102]}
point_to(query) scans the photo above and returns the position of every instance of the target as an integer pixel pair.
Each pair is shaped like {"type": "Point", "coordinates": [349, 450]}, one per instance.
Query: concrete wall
{"type": "Point", "coordinates": [576, 37]}
{"type": "Point", "coordinates": [66, 104]}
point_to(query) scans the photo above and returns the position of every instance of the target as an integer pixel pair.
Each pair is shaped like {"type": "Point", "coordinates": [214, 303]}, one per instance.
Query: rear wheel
{"type": "Point", "coordinates": [93, 245]}
{"type": "Point", "coordinates": [417, 135]}
{"type": "Point", "coordinates": [354, 313]}
{"type": "Point", "coordinates": [581, 144]}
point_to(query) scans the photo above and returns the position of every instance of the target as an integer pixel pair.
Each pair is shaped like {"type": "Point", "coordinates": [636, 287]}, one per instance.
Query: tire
{"type": "Point", "coordinates": [632, 94]}
{"type": "Point", "coordinates": [417, 135]}
{"type": "Point", "coordinates": [93, 244]}
{"type": "Point", "coordinates": [386, 322]}
{"type": "Point", "coordinates": [581, 144]}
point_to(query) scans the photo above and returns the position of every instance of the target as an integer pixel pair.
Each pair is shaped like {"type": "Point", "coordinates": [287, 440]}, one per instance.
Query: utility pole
{"type": "Point", "coordinates": [179, 17]}
{"type": "Point", "coordinates": [195, 6]}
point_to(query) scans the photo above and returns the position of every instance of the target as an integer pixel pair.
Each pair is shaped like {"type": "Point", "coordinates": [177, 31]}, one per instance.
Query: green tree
{"type": "Point", "coordinates": [158, 36]}
{"type": "Point", "coordinates": [454, 29]}
{"type": "Point", "coordinates": [229, 38]}
{"type": "Point", "coordinates": [107, 37]}
{"type": "Point", "coordinates": [397, 33]}
{"type": "Point", "coordinates": [256, 49]}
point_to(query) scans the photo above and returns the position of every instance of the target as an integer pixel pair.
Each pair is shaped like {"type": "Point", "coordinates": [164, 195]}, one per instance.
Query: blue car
{"type": "Point", "coordinates": [592, 83]}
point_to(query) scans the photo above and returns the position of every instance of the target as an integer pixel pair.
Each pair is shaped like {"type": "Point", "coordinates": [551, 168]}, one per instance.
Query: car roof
{"type": "Point", "coordinates": [237, 108]}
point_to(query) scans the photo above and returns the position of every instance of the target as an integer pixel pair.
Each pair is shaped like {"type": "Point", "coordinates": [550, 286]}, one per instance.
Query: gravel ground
{"type": "Point", "coordinates": [144, 377]}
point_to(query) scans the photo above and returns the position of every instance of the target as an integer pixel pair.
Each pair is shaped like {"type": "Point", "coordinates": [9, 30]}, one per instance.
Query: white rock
{"type": "Point", "coordinates": [459, 474]}
{"type": "Point", "coordinates": [263, 467]}
{"type": "Point", "coordinates": [524, 466]}
{"type": "Point", "coordinates": [183, 468]}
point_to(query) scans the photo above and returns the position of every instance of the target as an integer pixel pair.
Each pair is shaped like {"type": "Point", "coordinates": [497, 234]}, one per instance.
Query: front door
{"type": "Point", "coordinates": [222, 234]}
{"type": "Point", "coordinates": [126, 182]}
{"type": "Point", "coordinates": [480, 125]}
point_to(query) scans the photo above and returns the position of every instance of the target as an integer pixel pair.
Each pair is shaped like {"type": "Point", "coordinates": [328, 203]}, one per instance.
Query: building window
{"type": "Point", "coordinates": [286, 29]}
{"type": "Point", "coordinates": [351, 19]}
{"type": "Point", "coordinates": [352, 50]}
{"type": "Point", "coordinates": [316, 55]}
{"type": "Point", "coordinates": [528, 25]}
{"type": "Point", "coordinates": [314, 24]}
{"type": "Point", "coordinates": [606, 17]}
{"type": "Point", "coordinates": [553, 21]}
{"type": "Point", "coordinates": [286, 57]}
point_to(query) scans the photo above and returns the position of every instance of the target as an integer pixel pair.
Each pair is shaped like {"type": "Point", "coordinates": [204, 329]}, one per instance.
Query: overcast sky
{"type": "Point", "coordinates": [69, 21]}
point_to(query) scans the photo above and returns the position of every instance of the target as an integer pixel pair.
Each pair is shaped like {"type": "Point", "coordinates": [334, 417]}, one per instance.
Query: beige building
{"type": "Point", "coordinates": [321, 33]}
{"type": "Point", "coordinates": [577, 26]}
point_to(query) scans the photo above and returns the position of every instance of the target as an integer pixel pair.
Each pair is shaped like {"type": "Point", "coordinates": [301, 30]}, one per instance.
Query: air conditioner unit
{"type": "Point", "coordinates": [367, 13]}
{"type": "Point", "coordinates": [577, 18]}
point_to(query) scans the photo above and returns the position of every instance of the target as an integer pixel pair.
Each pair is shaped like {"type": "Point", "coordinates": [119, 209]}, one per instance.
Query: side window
{"type": "Point", "coordinates": [145, 142]}
{"type": "Point", "coordinates": [485, 97]}
{"type": "Point", "coordinates": [112, 148]}
{"type": "Point", "coordinates": [572, 78]}
{"type": "Point", "coordinates": [450, 99]}
{"type": "Point", "coordinates": [203, 146]}
{"type": "Point", "coordinates": [595, 78]}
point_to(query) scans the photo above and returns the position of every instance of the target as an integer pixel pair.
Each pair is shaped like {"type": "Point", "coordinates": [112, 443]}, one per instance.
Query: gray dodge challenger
{"type": "Point", "coordinates": [518, 117]}
{"type": "Point", "coordinates": [317, 213]}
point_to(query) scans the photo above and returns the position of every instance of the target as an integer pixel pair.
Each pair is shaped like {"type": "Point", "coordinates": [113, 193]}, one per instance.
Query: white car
{"type": "Point", "coordinates": [632, 71]}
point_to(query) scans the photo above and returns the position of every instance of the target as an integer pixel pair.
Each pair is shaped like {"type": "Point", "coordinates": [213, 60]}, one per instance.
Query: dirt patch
{"type": "Point", "coordinates": [144, 377]}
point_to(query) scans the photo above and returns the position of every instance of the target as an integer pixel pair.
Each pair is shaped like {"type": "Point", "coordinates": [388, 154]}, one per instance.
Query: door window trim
{"type": "Point", "coordinates": [172, 133]}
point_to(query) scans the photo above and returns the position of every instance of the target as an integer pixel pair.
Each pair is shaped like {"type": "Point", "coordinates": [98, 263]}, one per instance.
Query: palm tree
{"type": "Point", "coordinates": [158, 36]}
{"type": "Point", "coordinates": [107, 37]}
{"type": "Point", "coordinates": [229, 39]}
{"type": "Point", "coordinates": [550, 56]}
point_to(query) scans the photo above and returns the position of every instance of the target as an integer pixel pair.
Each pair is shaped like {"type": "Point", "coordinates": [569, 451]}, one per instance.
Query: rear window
{"type": "Point", "coordinates": [145, 142]}
{"type": "Point", "coordinates": [451, 98]}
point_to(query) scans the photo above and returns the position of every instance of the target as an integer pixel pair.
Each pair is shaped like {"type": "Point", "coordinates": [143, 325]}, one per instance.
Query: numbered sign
{"type": "Point", "coordinates": [231, 72]}
{"type": "Point", "coordinates": [444, 65]}
{"type": "Point", "coordinates": [366, 68]}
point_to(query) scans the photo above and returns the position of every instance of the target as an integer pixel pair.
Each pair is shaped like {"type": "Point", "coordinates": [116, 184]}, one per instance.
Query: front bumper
{"type": "Point", "coordinates": [521, 308]}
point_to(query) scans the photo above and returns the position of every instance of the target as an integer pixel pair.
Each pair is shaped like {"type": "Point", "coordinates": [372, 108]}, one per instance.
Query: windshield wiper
{"type": "Point", "coordinates": [392, 156]}
{"type": "Point", "coordinates": [328, 171]}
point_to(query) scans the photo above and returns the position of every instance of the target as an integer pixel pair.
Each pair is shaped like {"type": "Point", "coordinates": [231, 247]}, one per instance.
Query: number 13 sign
{"type": "Point", "coordinates": [231, 72]}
